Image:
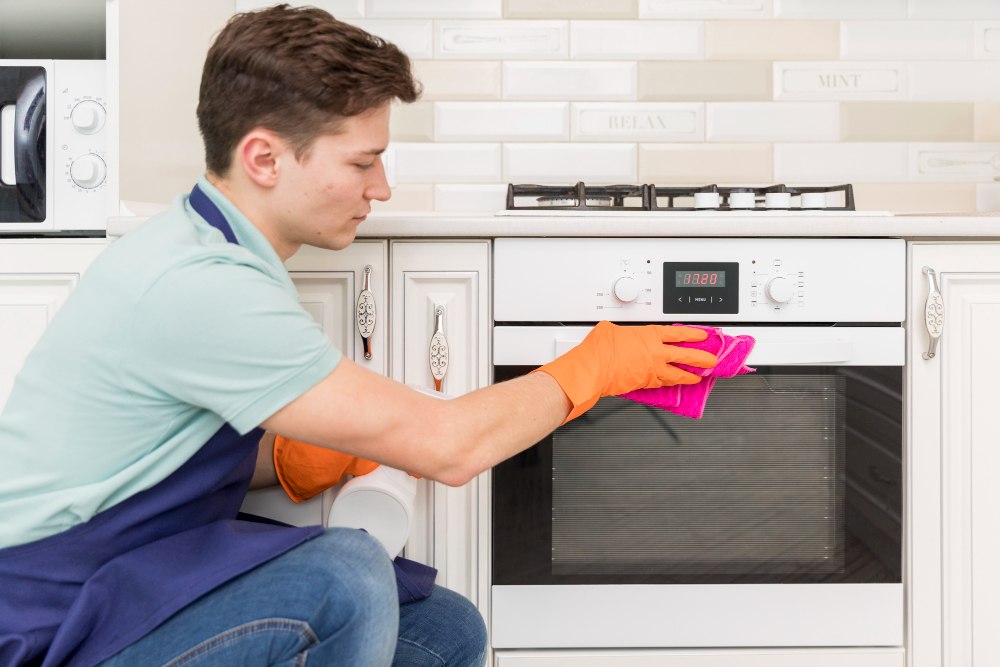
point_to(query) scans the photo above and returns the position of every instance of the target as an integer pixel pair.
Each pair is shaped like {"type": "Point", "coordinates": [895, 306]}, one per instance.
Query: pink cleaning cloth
{"type": "Point", "coordinates": [689, 400]}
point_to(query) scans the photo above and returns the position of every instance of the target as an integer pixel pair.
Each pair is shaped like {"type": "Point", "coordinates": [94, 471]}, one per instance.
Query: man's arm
{"type": "Point", "coordinates": [360, 412]}
{"type": "Point", "coordinates": [263, 473]}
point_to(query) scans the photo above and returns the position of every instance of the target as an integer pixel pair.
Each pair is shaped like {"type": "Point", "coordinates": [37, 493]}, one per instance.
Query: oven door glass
{"type": "Point", "coordinates": [793, 475]}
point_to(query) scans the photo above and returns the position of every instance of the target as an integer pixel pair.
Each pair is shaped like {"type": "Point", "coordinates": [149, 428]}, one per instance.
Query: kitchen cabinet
{"type": "Point", "coordinates": [443, 288]}
{"type": "Point", "coordinates": [330, 284]}
{"type": "Point", "coordinates": [953, 497]}
{"type": "Point", "coordinates": [36, 277]}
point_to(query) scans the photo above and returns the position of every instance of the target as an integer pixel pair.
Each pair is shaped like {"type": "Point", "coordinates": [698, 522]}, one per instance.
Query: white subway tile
{"type": "Point", "coordinates": [954, 9]}
{"type": "Point", "coordinates": [906, 40]}
{"type": "Point", "coordinates": [987, 40]}
{"type": "Point", "coordinates": [706, 9]}
{"type": "Point", "coordinates": [971, 81]}
{"type": "Point", "coordinates": [472, 198]}
{"type": "Point", "coordinates": [435, 9]}
{"type": "Point", "coordinates": [501, 121]}
{"type": "Point", "coordinates": [569, 163]}
{"type": "Point", "coordinates": [840, 9]}
{"type": "Point", "coordinates": [637, 40]}
{"type": "Point", "coordinates": [772, 121]}
{"type": "Point", "coordinates": [502, 40]}
{"type": "Point", "coordinates": [840, 163]}
{"type": "Point", "coordinates": [414, 37]}
{"type": "Point", "coordinates": [569, 81]}
{"type": "Point", "coordinates": [342, 9]}
{"type": "Point", "coordinates": [951, 162]}
{"type": "Point", "coordinates": [801, 80]}
{"type": "Point", "coordinates": [988, 197]}
{"type": "Point", "coordinates": [640, 121]}
{"type": "Point", "coordinates": [446, 163]}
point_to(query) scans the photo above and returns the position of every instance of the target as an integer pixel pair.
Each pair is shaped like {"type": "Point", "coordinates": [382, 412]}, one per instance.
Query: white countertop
{"type": "Point", "coordinates": [417, 225]}
{"type": "Point", "coordinates": [788, 224]}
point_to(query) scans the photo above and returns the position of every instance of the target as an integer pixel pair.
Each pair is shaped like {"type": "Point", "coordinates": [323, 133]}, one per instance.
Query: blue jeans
{"type": "Point", "coordinates": [330, 601]}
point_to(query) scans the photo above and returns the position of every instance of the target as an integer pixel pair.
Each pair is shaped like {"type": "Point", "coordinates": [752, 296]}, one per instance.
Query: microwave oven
{"type": "Point", "coordinates": [54, 164]}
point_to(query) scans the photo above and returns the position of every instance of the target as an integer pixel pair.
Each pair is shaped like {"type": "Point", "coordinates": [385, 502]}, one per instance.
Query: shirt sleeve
{"type": "Point", "coordinates": [228, 338]}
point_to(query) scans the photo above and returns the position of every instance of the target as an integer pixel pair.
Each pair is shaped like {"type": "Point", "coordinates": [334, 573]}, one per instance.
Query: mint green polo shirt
{"type": "Point", "coordinates": [170, 334]}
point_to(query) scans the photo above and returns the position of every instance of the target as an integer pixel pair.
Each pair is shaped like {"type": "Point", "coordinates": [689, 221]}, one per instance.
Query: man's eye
{"type": "Point", "coordinates": [368, 165]}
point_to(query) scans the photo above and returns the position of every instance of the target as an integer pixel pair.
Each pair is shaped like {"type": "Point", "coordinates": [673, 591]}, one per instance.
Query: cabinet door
{"type": "Point", "coordinates": [329, 284]}
{"type": "Point", "coordinates": [954, 454]}
{"type": "Point", "coordinates": [36, 278]}
{"type": "Point", "coordinates": [444, 283]}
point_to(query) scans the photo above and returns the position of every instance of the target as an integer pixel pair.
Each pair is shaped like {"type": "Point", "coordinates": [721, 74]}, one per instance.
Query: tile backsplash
{"type": "Point", "coordinates": [899, 97]}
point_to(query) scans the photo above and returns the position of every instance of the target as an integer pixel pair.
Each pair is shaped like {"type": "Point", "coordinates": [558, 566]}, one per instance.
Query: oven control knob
{"type": "Point", "coordinates": [88, 117]}
{"type": "Point", "coordinates": [779, 289]}
{"type": "Point", "coordinates": [626, 289]}
{"type": "Point", "coordinates": [88, 171]}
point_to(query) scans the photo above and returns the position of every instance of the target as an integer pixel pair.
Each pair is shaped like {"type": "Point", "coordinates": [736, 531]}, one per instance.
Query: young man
{"type": "Point", "coordinates": [132, 431]}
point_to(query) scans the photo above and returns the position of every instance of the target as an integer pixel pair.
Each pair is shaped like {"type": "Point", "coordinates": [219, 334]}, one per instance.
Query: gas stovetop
{"type": "Point", "coordinates": [649, 199]}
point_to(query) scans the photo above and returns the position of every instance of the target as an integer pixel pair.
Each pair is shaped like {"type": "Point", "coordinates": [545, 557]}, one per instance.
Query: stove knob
{"type": "Point", "coordinates": [779, 289]}
{"type": "Point", "coordinates": [626, 289]}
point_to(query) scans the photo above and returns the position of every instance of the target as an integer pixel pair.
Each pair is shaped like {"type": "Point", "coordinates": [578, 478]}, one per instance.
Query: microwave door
{"type": "Point", "coordinates": [22, 144]}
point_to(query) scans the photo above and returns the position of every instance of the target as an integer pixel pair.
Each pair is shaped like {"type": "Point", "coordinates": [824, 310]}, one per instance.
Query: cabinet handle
{"type": "Point", "coordinates": [933, 313]}
{"type": "Point", "coordinates": [438, 352]}
{"type": "Point", "coordinates": [365, 312]}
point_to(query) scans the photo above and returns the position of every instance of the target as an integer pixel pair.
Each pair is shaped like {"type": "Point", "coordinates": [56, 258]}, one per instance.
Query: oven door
{"type": "Point", "coordinates": [774, 520]}
{"type": "Point", "coordinates": [25, 178]}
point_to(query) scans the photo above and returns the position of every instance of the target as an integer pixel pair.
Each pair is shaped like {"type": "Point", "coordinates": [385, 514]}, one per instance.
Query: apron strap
{"type": "Point", "coordinates": [207, 209]}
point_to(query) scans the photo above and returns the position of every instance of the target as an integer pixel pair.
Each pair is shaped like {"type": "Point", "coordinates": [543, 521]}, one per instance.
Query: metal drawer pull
{"type": "Point", "coordinates": [933, 313]}
{"type": "Point", "coordinates": [365, 313]}
{"type": "Point", "coordinates": [438, 352]}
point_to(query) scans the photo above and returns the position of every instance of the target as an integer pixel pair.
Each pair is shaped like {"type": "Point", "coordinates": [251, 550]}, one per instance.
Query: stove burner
{"type": "Point", "coordinates": [581, 197]}
{"type": "Point", "coordinates": [564, 202]}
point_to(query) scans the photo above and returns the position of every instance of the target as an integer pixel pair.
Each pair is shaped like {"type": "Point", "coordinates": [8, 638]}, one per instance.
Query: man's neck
{"type": "Point", "coordinates": [252, 206]}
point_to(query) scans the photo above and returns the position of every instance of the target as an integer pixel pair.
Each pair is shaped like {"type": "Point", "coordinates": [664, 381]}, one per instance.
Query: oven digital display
{"type": "Point", "coordinates": [699, 278]}
{"type": "Point", "coordinates": [701, 288]}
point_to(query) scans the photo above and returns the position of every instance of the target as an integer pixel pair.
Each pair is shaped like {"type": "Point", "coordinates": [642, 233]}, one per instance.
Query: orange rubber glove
{"type": "Point", "coordinates": [614, 360]}
{"type": "Point", "coordinates": [305, 470]}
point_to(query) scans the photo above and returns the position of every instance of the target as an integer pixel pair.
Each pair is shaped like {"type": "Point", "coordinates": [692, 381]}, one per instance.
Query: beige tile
{"type": "Point", "coordinates": [775, 40]}
{"type": "Point", "coordinates": [570, 9]}
{"type": "Point", "coordinates": [915, 197]}
{"type": "Point", "coordinates": [412, 122]}
{"type": "Point", "coordinates": [906, 121]}
{"type": "Point", "coordinates": [704, 81]}
{"type": "Point", "coordinates": [687, 164]}
{"type": "Point", "coordinates": [407, 198]}
{"type": "Point", "coordinates": [458, 79]}
{"type": "Point", "coordinates": [987, 121]}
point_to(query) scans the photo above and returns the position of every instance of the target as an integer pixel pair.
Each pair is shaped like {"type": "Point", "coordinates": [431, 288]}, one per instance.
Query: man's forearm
{"type": "Point", "coordinates": [264, 474]}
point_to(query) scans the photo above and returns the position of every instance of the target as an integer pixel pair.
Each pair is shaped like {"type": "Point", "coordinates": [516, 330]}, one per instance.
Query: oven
{"type": "Point", "coordinates": [775, 519]}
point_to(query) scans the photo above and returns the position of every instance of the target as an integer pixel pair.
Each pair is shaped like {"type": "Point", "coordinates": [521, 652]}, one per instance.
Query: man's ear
{"type": "Point", "coordinates": [259, 154]}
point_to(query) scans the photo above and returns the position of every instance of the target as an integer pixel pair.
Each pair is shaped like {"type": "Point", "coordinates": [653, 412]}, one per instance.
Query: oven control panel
{"type": "Point", "coordinates": [692, 279]}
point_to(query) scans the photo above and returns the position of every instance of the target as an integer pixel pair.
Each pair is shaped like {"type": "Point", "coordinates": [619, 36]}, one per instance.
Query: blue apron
{"type": "Point", "coordinates": [78, 597]}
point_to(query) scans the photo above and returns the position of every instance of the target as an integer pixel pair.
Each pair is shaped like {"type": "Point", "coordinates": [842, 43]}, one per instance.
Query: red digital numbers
{"type": "Point", "coordinates": [701, 278]}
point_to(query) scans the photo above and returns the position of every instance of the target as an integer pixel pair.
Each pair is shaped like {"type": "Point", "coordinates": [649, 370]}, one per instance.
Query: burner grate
{"type": "Point", "coordinates": [650, 197]}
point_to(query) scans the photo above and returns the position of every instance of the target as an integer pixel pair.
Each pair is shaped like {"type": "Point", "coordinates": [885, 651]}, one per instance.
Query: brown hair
{"type": "Point", "coordinates": [296, 71]}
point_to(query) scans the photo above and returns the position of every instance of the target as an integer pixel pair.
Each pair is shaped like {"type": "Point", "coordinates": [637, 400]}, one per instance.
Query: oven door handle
{"type": "Point", "coordinates": [801, 353]}
{"type": "Point", "coordinates": [791, 353]}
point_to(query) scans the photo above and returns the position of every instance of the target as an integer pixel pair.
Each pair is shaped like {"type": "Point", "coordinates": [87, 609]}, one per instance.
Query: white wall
{"type": "Point", "coordinates": [899, 97]}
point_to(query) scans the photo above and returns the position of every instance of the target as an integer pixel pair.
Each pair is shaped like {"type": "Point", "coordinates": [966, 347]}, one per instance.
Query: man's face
{"type": "Point", "coordinates": [325, 196]}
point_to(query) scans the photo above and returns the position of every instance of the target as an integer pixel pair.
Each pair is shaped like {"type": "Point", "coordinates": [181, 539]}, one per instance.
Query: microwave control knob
{"type": "Point", "coordinates": [88, 117]}
{"type": "Point", "coordinates": [88, 171]}
{"type": "Point", "coordinates": [779, 289]}
{"type": "Point", "coordinates": [626, 289]}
